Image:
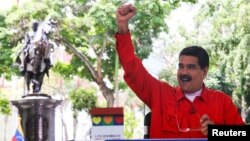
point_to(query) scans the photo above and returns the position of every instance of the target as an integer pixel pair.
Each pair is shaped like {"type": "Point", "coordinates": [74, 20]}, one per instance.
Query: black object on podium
{"type": "Point", "coordinates": [147, 124]}
{"type": "Point", "coordinates": [37, 113]}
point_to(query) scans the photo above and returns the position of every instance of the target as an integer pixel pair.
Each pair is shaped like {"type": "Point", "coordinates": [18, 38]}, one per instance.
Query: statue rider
{"type": "Point", "coordinates": [26, 65]}
{"type": "Point", "coordinates": [29, 37]}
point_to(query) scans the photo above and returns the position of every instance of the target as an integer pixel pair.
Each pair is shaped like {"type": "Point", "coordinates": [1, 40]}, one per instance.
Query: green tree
{"type": "Point", "coordinates": [5, 109]}
{"type": "Point", "coordinates": [129, 123]}
{"type": "Point", "coordinates": [228, 41]}
{"type": "Point", "coordinates": [85, 26]}
{"type": "Point", "coordinates": [222, 27]}
{"type": "Point", "coordinates": [5, 106]}
{"type": "Point", "coordinates": [82, 99]}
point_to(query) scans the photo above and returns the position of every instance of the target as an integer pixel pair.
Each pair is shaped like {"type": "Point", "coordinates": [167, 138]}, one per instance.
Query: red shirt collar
{"type": "Point", "coordinates": [204, 94]}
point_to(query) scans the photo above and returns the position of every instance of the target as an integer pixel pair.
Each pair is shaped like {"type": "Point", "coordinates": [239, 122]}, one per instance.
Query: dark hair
{"type": "Point", "coordinates": [35, 26]}
{"type": "Point", "coordinates": [199, 52]}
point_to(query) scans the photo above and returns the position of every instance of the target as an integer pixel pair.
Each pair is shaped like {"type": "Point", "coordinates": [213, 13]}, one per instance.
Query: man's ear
{"type": "Point", "coordinates": [205, 71]}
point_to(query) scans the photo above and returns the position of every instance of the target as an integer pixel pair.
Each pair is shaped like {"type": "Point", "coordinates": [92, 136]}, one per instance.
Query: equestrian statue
{"type": "Point", "coordinates": [35, 61]}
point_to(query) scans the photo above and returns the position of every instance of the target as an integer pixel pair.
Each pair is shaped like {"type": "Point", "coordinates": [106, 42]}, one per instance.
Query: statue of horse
{"type": "Point", "coordinates": [36, 56]}
{"type": "Point", "coordinates": [37, 65]}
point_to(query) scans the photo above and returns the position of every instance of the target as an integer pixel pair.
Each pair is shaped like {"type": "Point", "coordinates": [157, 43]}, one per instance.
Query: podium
{"type": "Point", "coordinates": [169, 139]}
{"type": "Point", "coordinates": [37, 113]}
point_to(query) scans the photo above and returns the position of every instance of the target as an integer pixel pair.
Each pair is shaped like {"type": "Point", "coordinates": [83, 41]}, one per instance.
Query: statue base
{"type": "Point", "coordinates": [37, 112]}
{"type": "Point", "coordinates": [34, 95]}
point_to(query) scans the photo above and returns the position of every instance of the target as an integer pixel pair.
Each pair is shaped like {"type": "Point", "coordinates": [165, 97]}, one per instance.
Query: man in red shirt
{"type": "Point", "coordinates": [177, 112]}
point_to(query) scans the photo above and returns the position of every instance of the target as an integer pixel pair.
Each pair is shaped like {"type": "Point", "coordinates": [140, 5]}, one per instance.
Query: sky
{"type": "Point", "coordinates": [5, 4]}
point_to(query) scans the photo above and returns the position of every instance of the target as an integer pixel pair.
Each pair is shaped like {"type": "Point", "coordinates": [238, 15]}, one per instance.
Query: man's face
{"type": "Point", "coordinates": [190, 75]}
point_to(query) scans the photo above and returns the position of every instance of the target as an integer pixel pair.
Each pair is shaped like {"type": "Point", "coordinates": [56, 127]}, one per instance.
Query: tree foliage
{"type": "Point", "coordinates": [5, 106]}
{"type": "Point", "coordinates": [222, 27]}
{"type": "Point", "coordinates": [86, 28]}
{"type": "Point", "coordinates": [83, 99]}
{"type": "Point", "coordinates": [229, 42]}
{"type": "Point", "coordinates": [130, 124]}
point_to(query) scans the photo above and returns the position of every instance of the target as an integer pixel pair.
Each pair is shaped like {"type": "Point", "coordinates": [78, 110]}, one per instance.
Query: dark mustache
{"type": "Point", "coordinates": [185, 77]}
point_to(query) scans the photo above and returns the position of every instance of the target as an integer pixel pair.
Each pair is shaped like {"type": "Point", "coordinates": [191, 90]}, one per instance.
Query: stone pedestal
{"type": "Point", "coordinates": [37, 113]}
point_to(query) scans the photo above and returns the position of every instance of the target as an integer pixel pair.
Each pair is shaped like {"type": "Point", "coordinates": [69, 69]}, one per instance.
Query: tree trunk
{"type": "Point", "coordinates": [107, 93]}
{"type": "Point", "coordinates": [75, 123]}
{"type": "Point", "coordinates": [97, 77]}
{"type": "Point", "coordinates": [244, 109]}
{"type": "Point", "coordinates": [5, 127]}
{"type": "Point", "coordinates": [63, 123]}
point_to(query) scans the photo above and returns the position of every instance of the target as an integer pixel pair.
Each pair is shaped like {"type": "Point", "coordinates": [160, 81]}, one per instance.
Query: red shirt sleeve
{"type": "Point", "coordinates": [233, 116]}
{"type": "Point", "coordinates": [136, 76]}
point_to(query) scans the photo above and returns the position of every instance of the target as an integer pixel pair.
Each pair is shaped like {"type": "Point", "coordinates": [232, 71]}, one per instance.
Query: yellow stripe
{"type": "Point", "coordinates": [20, 129]}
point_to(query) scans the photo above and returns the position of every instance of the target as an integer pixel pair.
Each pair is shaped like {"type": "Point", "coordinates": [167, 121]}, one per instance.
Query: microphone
{"type": "Point", "coordinates": [147, 123]}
